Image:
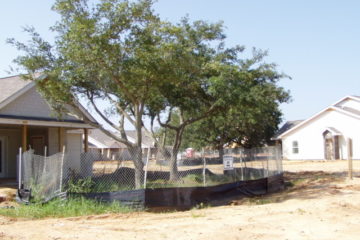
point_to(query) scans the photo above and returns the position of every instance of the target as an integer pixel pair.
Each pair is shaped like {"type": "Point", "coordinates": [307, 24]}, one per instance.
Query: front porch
{"type": "Point", "coordinates": [43, 140]}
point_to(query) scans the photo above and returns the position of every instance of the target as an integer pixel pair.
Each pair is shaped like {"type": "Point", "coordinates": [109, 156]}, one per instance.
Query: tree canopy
{"type": "Point", "coordinates": [123, 53]}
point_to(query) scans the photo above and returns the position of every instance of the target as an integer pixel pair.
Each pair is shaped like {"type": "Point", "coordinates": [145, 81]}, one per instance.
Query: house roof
{"type": "Point", "coordinates": [100, 140]}
{"type": "Point", "coordinates": [11, 85]}
{"type": "Point", "coordinates": [335, 107]}
{"type": "Point", "coordinates": [146, 140]}
{"type": "Point", "coordinates": [103, 141]}
{"type": "Point", "coordinates": [287, 126]}
{"type": "Point", "coordinates": [11, 88]}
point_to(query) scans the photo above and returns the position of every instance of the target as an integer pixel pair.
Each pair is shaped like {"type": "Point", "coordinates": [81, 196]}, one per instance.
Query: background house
{"type": "Point", "coordinates": [109, 148]}
{"type": "Point", "coordinates": [326, 135]}
{"type": "Point", "coordinates": [27, 121]}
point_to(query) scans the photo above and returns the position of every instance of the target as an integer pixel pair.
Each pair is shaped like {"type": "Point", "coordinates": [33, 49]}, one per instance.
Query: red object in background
{"type": "Point", "coordinates": [190, 152]}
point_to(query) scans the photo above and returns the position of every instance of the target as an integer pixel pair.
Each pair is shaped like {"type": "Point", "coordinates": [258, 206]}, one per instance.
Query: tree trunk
{"type": "Point", "coordinates": [137, 151]}
{"type": "Point", "coordinates": [221, 151]}
{"type": "Point", "coordinates": [139, 167]}
{"type": "Point", "coordinates": [174, 174]}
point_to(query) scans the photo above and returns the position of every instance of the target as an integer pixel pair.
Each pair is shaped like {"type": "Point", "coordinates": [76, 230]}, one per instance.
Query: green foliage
{"type": "Point", "coordinates": [122, 53]}
{"type": "Point", "coordinates": [88, 185]}
{"type": "Point", "coordinates": [64, 208]}
{"type": "Point", "coordinates": [37, 191]}
{"type": "Point", "coordinates": [82, 185]}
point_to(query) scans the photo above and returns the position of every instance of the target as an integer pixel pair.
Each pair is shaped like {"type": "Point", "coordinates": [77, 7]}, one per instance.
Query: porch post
{"type": "Point", "coordinates": [350, 156]}
{"type": "Point", "coordinates": [60, 138]}
{"type": "Point", "coordinates": [24, 137]}
{"type": "Point", "coordinates": [86, 140]}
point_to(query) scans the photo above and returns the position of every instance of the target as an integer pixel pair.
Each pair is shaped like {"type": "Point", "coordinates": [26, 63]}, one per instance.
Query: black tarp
{"type": "Point", "coordinates": [187, 197]}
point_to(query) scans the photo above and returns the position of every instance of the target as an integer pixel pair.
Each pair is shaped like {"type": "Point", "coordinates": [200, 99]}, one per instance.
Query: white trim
{"type": "Point", "coordinates": [11, 121]}
{"type": "Point", "coordinates": [357, 99]}
{"type": "Point", "coordinates": [16, 95]}
{"type": "Point", "coordinates": [86, 113]}
{"type": "Point", "coordinates": [340, 110]}
{"type": "Point", "coordinates": [31, 85]}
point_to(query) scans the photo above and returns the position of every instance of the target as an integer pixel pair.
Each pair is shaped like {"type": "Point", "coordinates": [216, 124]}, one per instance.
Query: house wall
{"type": "Point", "coordinates": [30, 104]}
{"type": "Point", "coordinates": [74, 148]}
{"type": "Point", "coordinates": [53, 136]}
{"type": "Point", "coordinates": [310, 137]}
{"type": "Point", "coordinates": [13, 143]}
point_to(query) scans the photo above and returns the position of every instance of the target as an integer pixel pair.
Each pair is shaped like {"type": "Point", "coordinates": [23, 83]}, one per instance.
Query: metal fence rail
{"type": "Point", "coordinates": [153, 168]}
{"type": "Point", "coordinates": [161, 168]}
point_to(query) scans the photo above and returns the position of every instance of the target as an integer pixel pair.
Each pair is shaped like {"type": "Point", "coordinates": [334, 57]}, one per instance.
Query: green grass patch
{"type": "Point", "coordinates": [192, 180]}
{"type": "Point", "coordinates": [57, 208]}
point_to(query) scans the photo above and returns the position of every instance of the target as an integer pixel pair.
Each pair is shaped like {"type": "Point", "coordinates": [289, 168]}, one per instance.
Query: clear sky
{"type": "Point", "coordinates": [317, 43]}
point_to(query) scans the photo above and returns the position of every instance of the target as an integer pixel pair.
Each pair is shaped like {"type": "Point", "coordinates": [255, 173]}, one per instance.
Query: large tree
{"type": "Point", "coordinates": [122, 53]}
{"type": "Point", "coordinates": [114, 51]}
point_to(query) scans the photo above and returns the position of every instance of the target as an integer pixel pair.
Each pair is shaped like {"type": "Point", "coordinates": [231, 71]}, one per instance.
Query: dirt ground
{"type": "Point", "coordinates": [319, 203]}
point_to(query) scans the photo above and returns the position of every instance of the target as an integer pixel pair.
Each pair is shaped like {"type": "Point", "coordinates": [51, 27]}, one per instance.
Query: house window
{"type": "Point", "coordinates": [295, 147]}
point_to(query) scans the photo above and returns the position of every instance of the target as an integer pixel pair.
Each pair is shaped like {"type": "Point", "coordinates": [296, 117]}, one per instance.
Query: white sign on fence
{"type": "Point", "coordinates": [228, 162]}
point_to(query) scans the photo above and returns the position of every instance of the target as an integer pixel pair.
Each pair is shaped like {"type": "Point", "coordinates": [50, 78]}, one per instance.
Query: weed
{"type": "Point", "coordinates": [84, 185]}
{"type": "Point", "coordinates": [260, 201]}
{"type": "Point", "coordinates": [197, 214]}
{"type": "Point", "coordinates": [64, 208]}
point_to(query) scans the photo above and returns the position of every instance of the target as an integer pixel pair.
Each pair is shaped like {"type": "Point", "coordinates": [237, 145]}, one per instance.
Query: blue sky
{"type": "Point", "coordinates": [317, 43]}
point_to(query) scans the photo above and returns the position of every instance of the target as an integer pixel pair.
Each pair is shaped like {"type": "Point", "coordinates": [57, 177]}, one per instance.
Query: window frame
{"type": "Point", "coordinates": [295, 147]}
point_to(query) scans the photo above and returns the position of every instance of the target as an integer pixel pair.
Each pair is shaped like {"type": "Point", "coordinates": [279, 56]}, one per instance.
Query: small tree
{"type": "Point", "coordinates": [249, 123]}
{"type": "Point", "coordinates": [238, 102]}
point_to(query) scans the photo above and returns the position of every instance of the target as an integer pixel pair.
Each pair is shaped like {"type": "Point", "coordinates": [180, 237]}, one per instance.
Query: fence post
{"type": "Point", "coordinates": [349, 153]}
{"type": "Point", "coordinates": [45, 151]}
{"type": "Point", "coordinates": [241, 164]}
{"type": "Point", "coordinates": [20, 166]}
{"type": "Point", "coordinates": [62, 167]}
{"type": "Point", "coordinates": [146, 166]}
{"type": "Point", "coordinates": [267, 160]}
{"type": "Point", "coordinates": [204, 168]}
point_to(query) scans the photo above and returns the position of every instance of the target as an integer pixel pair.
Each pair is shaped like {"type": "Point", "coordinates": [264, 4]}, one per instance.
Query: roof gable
{"type": "Point", "coordinates": [10, 86]}
{"type": "Point", "coordinates": [20, 98]}
{"type": "Point", "coordinates": [338, 106]}
{"type": "Point", "coordinates": [30, 104]}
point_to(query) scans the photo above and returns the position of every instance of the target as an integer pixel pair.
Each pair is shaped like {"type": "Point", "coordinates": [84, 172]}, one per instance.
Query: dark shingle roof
{"type": "Point", "coordinates": [288, 125]}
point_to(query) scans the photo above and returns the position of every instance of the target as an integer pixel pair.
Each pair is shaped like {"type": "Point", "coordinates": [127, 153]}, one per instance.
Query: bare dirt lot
{"type": "Point", "coordinates": [319, 203]}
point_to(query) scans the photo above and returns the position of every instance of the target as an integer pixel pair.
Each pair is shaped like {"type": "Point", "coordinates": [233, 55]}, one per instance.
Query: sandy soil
{"type": "Point", "coordinates": [318, 205]}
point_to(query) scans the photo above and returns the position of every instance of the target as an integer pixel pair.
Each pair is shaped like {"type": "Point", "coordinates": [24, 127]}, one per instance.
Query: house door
{"type": "Point", "coordinates": [2, 156]}
{"type": "Point", "coordinates": [329, 149]}
{"type": "Point", "coordinates": [38, 144]}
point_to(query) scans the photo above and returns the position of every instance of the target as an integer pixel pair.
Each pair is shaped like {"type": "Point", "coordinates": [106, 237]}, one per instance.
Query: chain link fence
{"type": "Point", "coordinates": [41, 175]}
{"type": "Point", "coordinates": [161, 168]}
{"type": "Point", "coordinates": [150, 168]}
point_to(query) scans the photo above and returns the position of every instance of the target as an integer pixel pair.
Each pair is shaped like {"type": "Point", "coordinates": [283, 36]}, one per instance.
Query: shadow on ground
{"type": "Point", "coordinates": [300, 185]}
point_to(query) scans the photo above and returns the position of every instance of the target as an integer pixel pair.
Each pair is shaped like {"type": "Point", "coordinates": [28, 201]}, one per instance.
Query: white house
{"type": "Point", "coordinates": [326, 135]}
{"type": "Point", "coordinates": [27, 121]}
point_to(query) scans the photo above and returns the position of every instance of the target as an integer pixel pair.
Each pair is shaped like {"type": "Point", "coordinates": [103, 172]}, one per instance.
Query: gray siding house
{"type": "Point", "coordinates": [27, 121]}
